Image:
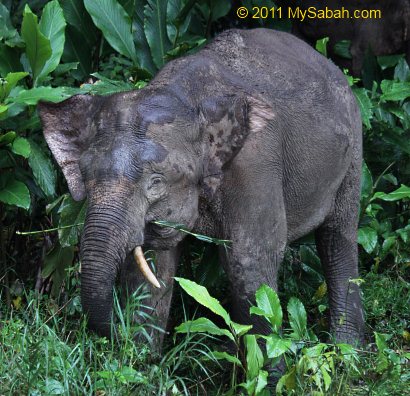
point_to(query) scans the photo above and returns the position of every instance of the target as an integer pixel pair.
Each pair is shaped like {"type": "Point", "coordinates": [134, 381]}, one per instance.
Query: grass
{"type": "Point", "coordinates": [46, 349]}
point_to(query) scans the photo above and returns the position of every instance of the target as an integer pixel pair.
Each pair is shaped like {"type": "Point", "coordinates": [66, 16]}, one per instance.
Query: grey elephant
{"type": "Point", "coordinates": [256, 139]}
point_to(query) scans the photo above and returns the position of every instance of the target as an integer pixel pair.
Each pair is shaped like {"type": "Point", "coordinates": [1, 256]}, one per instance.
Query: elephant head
{"type": "Point", "coordinates": [139, 157]}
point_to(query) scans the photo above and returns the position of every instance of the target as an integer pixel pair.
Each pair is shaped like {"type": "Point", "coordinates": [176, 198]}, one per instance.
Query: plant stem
{"type": "Point", "coordinates": [48, 230]}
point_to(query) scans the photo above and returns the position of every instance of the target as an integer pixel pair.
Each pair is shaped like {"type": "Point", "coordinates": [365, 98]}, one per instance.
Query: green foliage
{"type": "Point", "coordinates": [312, 367]}
{"type": "Point", "coordinates": [48, 350]}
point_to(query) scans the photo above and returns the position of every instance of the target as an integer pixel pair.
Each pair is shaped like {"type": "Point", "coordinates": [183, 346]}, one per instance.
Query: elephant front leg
{"type": "Point", "coordinates": [154, 309]}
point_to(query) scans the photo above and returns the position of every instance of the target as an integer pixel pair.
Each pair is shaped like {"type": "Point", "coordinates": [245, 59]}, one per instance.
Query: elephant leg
{"type": "Point", "coordinates": [258, 231]}
{"type": "Point", "coordinates": [158, 304]}
{"type": "Point", "coordinates": [336, 242]}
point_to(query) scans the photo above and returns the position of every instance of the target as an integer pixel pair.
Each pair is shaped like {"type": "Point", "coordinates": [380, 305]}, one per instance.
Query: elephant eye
{"type": "Point", "coordinates": [156, 183]}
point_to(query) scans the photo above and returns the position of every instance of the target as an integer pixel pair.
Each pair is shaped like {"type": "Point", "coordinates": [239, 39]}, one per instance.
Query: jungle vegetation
{"type": "Point", "coordinates": [51, 50]}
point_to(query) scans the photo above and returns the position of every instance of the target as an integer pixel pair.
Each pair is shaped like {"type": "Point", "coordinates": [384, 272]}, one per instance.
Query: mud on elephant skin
{"type": "Point", "coordinates": [255, 139]}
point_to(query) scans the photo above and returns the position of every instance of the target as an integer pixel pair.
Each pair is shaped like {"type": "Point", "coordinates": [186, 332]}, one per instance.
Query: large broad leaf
{"type": "Point", "coordinates": [72, 217]}
{"type": "Point", "coordinates": [110, 17]}
{"type": "Point", "coordinates": [43, 170]}
{"type": "Point", "coordinates": [49, 94]}
{"type": "Point", "coordinates": [21, 146]}
{"type": "Point", "coordinates": [367, 237]}
{"type": "Point", "coordinates": [77, 16]}
{"type": "Point", "coordinates": [201, 295]}
{"type": "Point", "coordinates": [10, 82]}
{"type": "Point", "coordinates": [155, 26]}
{"type": "Point", "coordinates": [276, 346]}
{"type": "Point", "coordinates": [8, 33]}
{"type": "Point", "coordinates": [254, 356]}
{"type": "Point", "coordinates": [78, 50]}
{"type": "Point", "coordinates": [56, 263]}
{"type": "Point", "coordinates": [15, 193]}
{"type": "Point", "coordinates": [9, 60]}
{"type": "Point", "coordinates": [226, 356]}
{"type": "Point", "coordinates": [268, 305]}
{"type": "Point", "coordinates": [52, 25]}
{"type": "Point", "coordinates": [38, 47]}
{"type": "Point", "coordinates": [203, 325]}
{"type": "Point", "coordinates": [402, 192]}
{"type": "Point", "coordinates": [297, 318]}
{"type": "Point", "coordinates": [140, 40]}
{"type": "Point", "coordinates": [365, 105]}
{"type": "Point", "coordinates": [393, 90]}
{"type": "Point", "coordinates": [367, 181]}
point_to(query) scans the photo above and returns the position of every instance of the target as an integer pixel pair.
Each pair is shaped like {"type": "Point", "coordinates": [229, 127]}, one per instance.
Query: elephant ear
{"type": "Point", "coordinates": [227, 122]}
{"type": "Point", "coordinates": [68, 130]}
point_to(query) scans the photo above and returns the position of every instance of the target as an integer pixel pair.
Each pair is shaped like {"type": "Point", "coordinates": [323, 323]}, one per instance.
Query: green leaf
{"type": "Point", "coordinates": [77, 16]}
{"type": "Point", "coordinates": [262, 381]}
{"type": "Point", "coordinates": [8, 33]}
{"type": "Point", "coordinates": [388, 243]}
{"type": "Point", "coordinates": [367, 181]}
{"type": "Point", "coordinates": [49, 94]}
{"type": "Point", "coordinates": [297, 317]}
{"type": "Point", "coordinates": [140, 40]}
{"type": "Point", "coordinates": [201, 295]}
{"type": "Point", "coordinates": [404, 233]}
{"type": "Point", "coordinates": [43, 170]}
{"type": "Point", "coordinates": [76, 50]}
{"type": "Point", "coordinates": [15, 193]}
{"type": "Point", "coordinates": [155, 27]}
{"type": "Point", "coordinates": [342, 49]}
{"type": "Point", "coordinates": [54, 387]}
{"type": "Point", "coordinates": [254, 356]}
{"type": "Point", "coordinates": [10, 82]}
{"type": "Point", "coordinates": [203, 325]}
{"type": "Point", "coordinates": [393, 90]}
{"type": "Point", "coordinates": [38, 47]}
{"type": "Point", "coordinates": [110, 17]}
{"type": "Point", "coordinates": [9, 60]}
{"type": "Point", "coordinates": [3, 110]}
{"type": "Point", "coordinates": [7, 138]}
{"type": "Point", "coordinates": [276, 346]}
{"type": "Point", "coordinates": [321, 46]}
{"type": "Point", "coordinates": [52, 25]}
{"type": "Point", "coordinates": [402, 192]}
{"type": "Point", "coordinates": [21, 146]}
{"type": "Point", "coordinates": [288, 381]}
{"type": "Point", "coordinates": [226, 356]}
{"type": "Point", "coordinates": [55, 264]}
{"type": "Point", "coordinates": [268, 305]}
{"type": "Point", "coordinates": [365, 105]}
{"type": "Point", "coordinates": [219, 8]}
{"type": "Point", "coordinates": [402, 71]}
{"type": "Point", "coordinates": [367, 237]}
{"type": "Point", "coordinates": [240, 329]}
{"type": "Point", "coordinates": [71, 213]}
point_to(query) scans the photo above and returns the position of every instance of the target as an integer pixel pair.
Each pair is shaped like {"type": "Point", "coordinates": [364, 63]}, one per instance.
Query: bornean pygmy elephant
{"type": "Point", "coordinates": [256, 139]}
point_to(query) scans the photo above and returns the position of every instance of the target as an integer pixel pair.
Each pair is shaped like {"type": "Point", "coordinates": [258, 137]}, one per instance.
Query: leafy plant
{"type": "Point", "coordinates": [310, 364]}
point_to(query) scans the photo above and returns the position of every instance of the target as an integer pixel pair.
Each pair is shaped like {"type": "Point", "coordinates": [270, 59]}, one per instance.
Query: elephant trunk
{"type": "Point", "coordinates": [105, 243]}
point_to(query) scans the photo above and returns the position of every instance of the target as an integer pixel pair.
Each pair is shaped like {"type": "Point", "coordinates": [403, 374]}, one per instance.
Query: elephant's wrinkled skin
{"type": "Point", "coordinates": [256, 139]}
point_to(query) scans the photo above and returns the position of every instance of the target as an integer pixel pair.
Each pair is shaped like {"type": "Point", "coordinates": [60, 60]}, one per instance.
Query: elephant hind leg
{"type": "Point", "coordinates": [336, 241]}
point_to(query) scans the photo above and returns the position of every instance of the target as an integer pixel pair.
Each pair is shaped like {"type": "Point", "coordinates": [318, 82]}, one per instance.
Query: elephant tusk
{"type": "Point", "coordinates": [144, 267]}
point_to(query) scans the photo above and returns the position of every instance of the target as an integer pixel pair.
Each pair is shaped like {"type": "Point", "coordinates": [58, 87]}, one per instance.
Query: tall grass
{"type": "Point", "coordinates": [47, 350]}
